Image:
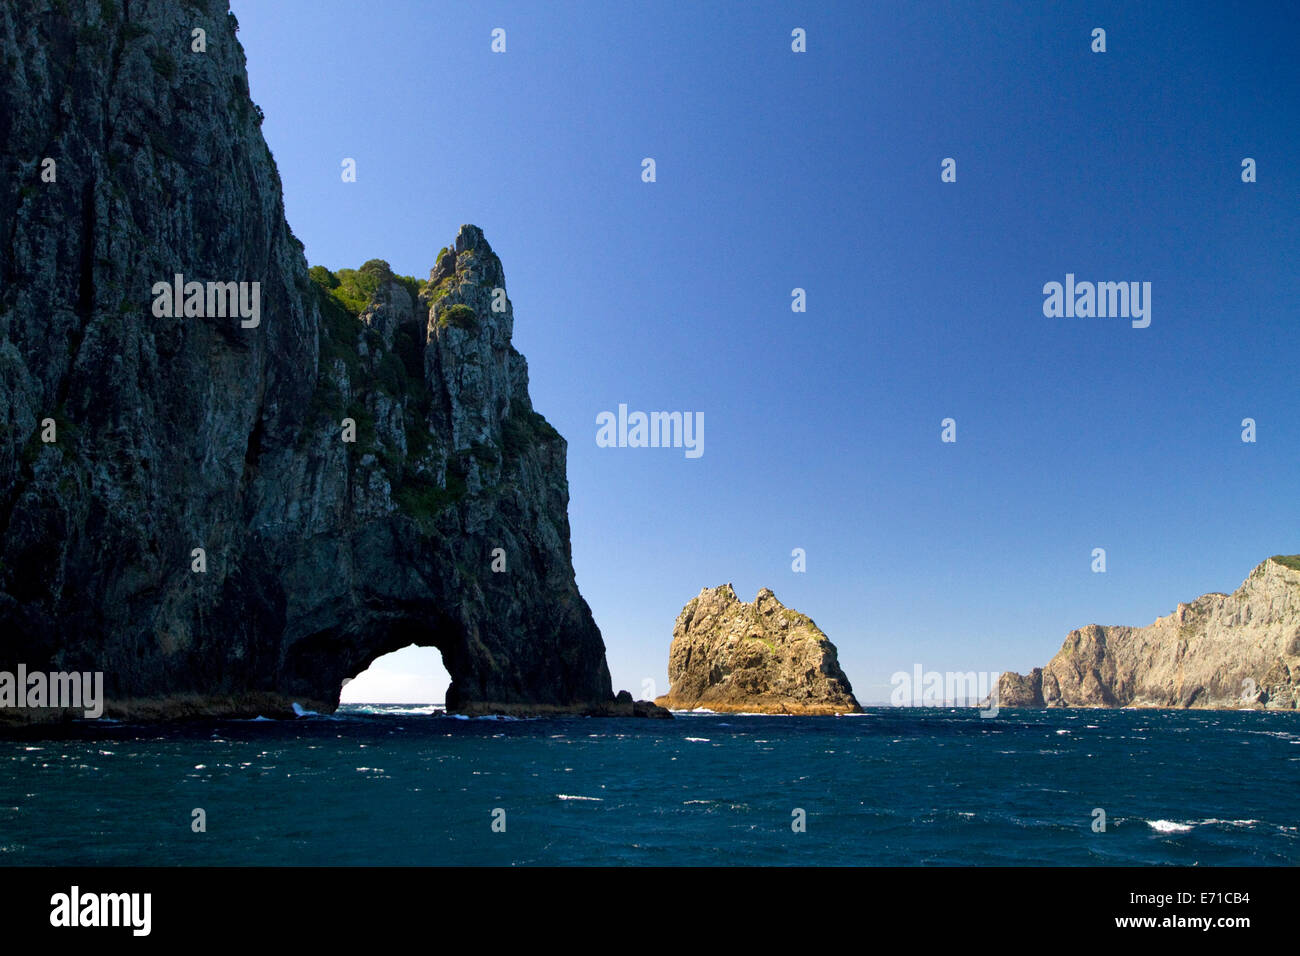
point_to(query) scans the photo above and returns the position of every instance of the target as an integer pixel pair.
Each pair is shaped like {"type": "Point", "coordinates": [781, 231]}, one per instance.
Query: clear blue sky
{"type": "Point", "coordinates": [821, 170]}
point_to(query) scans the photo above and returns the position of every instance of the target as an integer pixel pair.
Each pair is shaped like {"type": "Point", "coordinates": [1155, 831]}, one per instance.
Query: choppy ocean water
{"type": "Point", "coordinates": [378, 784]}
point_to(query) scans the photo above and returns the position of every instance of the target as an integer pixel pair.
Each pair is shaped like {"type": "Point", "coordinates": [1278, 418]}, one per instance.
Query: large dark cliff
{"type": "Point", "coordinates": [178, 433]}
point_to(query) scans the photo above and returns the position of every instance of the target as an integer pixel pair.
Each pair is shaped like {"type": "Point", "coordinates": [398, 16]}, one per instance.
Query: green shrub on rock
{"type": "Point", "coordinates": [459, 315]}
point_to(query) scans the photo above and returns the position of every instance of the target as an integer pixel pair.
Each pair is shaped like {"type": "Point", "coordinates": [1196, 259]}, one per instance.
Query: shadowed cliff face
{"type": "Point", "coordinates": [178, 433]}
{"type": "Point", "coordinates": [1220, 651]}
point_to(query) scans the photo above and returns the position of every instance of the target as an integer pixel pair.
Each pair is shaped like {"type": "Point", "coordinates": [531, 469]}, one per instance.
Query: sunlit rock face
{"type": "Point", "coordinates": [1219, 651]}
{"type": "Point", "coordinates": [759, 657]}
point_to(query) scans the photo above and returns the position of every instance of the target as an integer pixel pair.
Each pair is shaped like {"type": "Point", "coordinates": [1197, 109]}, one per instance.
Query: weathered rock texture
{"type": "Point", "coordinates": [183, 433]}
{"type": "Point", "coordinates": [758, 658]}
{"type": "Point", "coordinates": [1220, 651]}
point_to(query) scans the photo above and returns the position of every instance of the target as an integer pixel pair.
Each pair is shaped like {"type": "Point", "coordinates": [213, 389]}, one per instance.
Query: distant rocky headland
{"type": "Point", "coordinates": [761, 657]}
{"type": "Point", "coordinates": [1223, 651]}
{"type": "Point", "coordinates": [230, 494]}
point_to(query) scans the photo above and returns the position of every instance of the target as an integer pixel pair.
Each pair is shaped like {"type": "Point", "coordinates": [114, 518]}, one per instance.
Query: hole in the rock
{"type": "Point", "coordinates": [412, 675]}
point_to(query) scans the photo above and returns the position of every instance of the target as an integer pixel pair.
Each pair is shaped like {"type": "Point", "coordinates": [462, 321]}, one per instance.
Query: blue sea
{"type": "Point", "coordinates": [394, 785]}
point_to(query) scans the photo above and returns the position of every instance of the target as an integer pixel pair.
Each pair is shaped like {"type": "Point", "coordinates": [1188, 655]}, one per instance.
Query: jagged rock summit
{"type": "Point", "coordinates": [1222, 651]}
{"type": "Point", "coordinates": [236, 516]}
{"type": "Point", "coordinates": [762, 657]}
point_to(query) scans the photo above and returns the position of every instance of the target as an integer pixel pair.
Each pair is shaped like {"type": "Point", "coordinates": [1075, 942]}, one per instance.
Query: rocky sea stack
{"type": "Point", "coordinates": [1220, 651]}
{"type": "Point", "coordinates": [756, 658]}
{"type": "Point", "coordinates": [228, 516]}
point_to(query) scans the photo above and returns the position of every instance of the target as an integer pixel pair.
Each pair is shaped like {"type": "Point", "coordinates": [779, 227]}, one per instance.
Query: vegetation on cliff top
{"type": "Point", "coordinates": [341, 297]}
{"type": "Point", "coordinates": [352, 288]}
